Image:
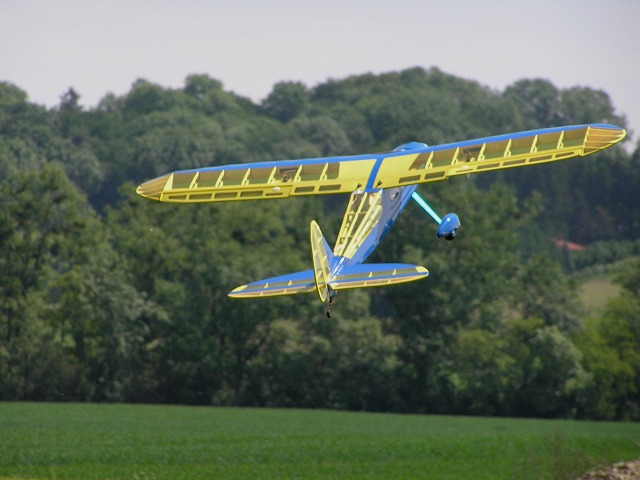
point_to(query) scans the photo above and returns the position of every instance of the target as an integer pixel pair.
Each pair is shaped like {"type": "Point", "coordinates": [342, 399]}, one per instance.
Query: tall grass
{"type": "Point", "coordinates": [145, 442]}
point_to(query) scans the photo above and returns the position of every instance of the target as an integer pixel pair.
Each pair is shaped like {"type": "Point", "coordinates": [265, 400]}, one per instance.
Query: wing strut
{"type": "Point", "coordinates": [422, 202]}
{"type": "Point", "coordinates": [447, 226]}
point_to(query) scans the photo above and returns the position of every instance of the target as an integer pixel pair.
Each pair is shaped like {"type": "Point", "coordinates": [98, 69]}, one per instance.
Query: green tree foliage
{"type": "Point", "coordinates": [575, 192]}
{"type": "Point", "coordinates": [109, 297]}
{"type": "Point", "coordinates": [523, 369]}
{"type": "Point", "coordinates": [341, 363]}
{"type": "Point", "coordinates": [108, 326]}
{"type": "Point", "coordinates": [43, 222]}
{"type": "Point", "coordinates": [286, 101]}
{"type": "Point", "coordinates": [545, 292]}
{"type": "Point", "coordinates": [612, 349]}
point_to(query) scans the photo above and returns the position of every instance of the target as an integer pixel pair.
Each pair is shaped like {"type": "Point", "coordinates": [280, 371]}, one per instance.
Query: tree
{"type": "Point", "coordinates": [611, 346]}
{"type": "Point", "coordinates": [42, 221]}
{"type": "Point", "coordinates": [482, 373]}
{"type": "Point", "coordinates": [538, 102]}
{"type": "Point", "coordinates": [324, 132]}
{"type": "Point", "coordinates": [235, 331]}
{"type": "Point", "coordinates": [132, 305]}
{"type": "Point", "coordinates": [554, 379]}
{"type": "Point", "coordinates": [286, 101]}
{"type": "Point", "coordinates": [543, 291]}
{"type": "Point", "coordinates": [110, 328]}
{"type": "Point", "coordinates": [586, 105]}
{"type": "Point", "coordinates": [467, 289]}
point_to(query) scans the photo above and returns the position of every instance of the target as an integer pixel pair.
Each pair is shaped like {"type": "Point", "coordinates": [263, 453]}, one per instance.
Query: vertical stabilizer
{"type": "Point", "coordinates": [321, 254]}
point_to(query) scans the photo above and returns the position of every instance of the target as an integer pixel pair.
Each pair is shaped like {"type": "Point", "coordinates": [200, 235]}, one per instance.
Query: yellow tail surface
{"type": "Point", "coordinates": [321, 261]}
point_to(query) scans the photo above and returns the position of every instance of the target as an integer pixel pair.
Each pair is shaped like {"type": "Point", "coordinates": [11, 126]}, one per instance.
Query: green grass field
{"type": "Point", "coordinates": [596, 292]}
{"type": "Point", "coordinates": [87, 441]}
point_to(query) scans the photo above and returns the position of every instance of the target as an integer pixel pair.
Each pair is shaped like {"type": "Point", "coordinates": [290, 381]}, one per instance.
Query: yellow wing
{"type": "Point", "coordinates": [284, 178]}
{"type": "Point", "coordinates": [260, 181]}
{"type": "Point", "coordinates": [496, 153]}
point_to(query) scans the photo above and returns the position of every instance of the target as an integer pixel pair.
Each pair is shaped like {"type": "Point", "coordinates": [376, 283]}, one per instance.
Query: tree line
{"type": "Point", "coordinates": [109, 297]}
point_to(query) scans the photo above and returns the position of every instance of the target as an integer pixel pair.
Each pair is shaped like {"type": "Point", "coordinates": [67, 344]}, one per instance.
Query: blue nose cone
{"type": "Point", "coordinates": [447, 229]}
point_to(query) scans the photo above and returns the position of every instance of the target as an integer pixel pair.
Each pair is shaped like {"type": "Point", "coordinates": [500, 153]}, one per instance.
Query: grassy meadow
{"type": "Point", "coordinates": [84, 441]}
{"type": "Point", "coordinates": [595, 292]}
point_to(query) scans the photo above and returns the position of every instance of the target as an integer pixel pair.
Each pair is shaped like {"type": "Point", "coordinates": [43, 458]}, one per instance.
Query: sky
{"type": "Point", "coordinates": [100, 47]}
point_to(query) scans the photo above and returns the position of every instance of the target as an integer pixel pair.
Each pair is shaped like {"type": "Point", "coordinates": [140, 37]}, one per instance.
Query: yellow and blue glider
{"type": "Point", "coordinates": [380, 185]}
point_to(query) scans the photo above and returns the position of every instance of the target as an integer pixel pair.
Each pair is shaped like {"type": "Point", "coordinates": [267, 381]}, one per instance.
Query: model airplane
{"type": "Point", "coordinates": [380, 185]}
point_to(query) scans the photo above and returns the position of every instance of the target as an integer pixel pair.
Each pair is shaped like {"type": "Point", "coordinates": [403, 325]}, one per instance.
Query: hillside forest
{"type": "Point", "coordinates": [109, 297]}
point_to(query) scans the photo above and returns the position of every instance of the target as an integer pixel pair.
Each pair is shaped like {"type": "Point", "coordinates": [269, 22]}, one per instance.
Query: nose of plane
{"type": "Point", "coordinates": [153, 188]}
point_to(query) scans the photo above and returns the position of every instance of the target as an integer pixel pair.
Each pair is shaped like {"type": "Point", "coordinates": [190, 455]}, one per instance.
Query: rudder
{"type": "Point", "coordinates": [321, 255]}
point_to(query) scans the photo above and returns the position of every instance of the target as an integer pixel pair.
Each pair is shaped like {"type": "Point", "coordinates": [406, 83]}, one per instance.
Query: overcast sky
{"type": "Point", "coordinates": [97, 47]}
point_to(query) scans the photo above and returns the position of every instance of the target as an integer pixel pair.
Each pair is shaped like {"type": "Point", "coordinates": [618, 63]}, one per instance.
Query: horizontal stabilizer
{"type": "Point", "coordinates": [300, 282]}
{"type": "Point", "coordinates": [376, 275]}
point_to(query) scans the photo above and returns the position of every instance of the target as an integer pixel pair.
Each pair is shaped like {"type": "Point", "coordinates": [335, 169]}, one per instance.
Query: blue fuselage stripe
{"type": "Point", "coordinates": [374, 173]}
